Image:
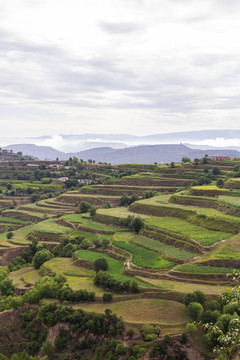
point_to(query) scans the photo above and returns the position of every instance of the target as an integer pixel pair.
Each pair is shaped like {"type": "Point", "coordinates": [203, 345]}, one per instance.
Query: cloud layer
{"type": "Point", "coordinates": [139, 66]}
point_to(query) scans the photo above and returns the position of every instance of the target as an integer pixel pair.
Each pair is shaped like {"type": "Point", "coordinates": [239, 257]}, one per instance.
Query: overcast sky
{"type": "Point", "coordinates": [118, 66]}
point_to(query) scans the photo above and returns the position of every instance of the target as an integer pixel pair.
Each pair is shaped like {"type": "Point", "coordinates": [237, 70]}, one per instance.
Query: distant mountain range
{"type": "Point", "coordinates": [143, 154]}
{"type": "Point", "coordinates": [73, 143]}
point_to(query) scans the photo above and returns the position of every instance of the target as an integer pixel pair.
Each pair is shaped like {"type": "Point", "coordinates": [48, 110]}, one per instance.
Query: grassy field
{"type": "Point", "coordinates": [66, 267]}
{"type": "Point", "coordinates": [235, 201]}
{"type": "Point", "coordinates": [17, 277]}
{"type": "Point", "coordinates": [84, 283]}
{"type": "Point", "coordinates": [77, 218]}
{"type": "Point", "coordinates": [176, 253]}
{"type": "Point", "coordinates": [137, 311]}
{"type": "Point", "coordinates": [185, 287]}
{"type": "Point", "coordinates": [32, 277]}
{"type": "Point", "coordinates": [203, 236]}
{"type": "Point", "coordinates": [9, 219]}
{"type": "Point", "coordinates": [144, 258]}
{"type": "Point", "coordinates": [50, 226]}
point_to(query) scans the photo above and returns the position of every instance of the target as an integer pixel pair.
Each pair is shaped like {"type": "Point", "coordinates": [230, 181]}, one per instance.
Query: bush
{"type": "Point", "coordinates": [107, 205]}
{"type": "Point", "coordinates": [35, 197]}
{"type": "Point", "coordinates": [150, 332]}
{"type": "Point", "coordinates": [40, 257]}
{"type": "Point", "coordinates": [137, 224]}
{"type": "Point", "coordinates": [200, 296]}
{"type": "Point", "coordinates": [184, 338]}
{"type": "Point", "coordinates": [191, 327]}
{"type": "Point", "coordinates": [130, 332]}
{"type": "Point", "coordinates": [6, 287]}
{"type": "Point", "coordinates": [9, 235]}
{"type": "Point", "coordinates": [47, 349]}
{"type": "Point", "coordinates": [107, 297]}
{"type": "Point", "coordinates": [195, 310]}
{"type": "Point", "coordinates": [101, 264]}
{"type": "Point", "coordinates": [84, 207]}
{"type": "Point", "coordinates": [93, 211]}
{"type": "Point", "coordinates": [213, 305]}
{"type": "Point", "coordinates": [189, 297]}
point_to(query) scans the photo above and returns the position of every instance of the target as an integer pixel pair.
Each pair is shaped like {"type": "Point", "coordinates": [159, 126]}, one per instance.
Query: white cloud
{"type": "Point", "coordinates": [118, 66]}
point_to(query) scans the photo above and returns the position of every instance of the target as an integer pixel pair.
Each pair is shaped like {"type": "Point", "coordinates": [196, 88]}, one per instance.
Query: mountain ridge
{"type": "Point", "coordinates": [145, 154]}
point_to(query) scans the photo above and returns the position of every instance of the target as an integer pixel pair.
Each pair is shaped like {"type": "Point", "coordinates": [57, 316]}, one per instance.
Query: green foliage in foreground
{"type": "Point", "coordinates": [144, 258]}
{"type": "Point", "coordinates": [223, 330]}
{"type": "Point", "coordinates": [50, 287]}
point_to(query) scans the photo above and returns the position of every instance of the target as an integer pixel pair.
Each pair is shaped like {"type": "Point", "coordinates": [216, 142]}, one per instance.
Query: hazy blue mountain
{"type": "Point", "coordinates": [41, 152]}
{"type": "Point", "coordinates": [143, 154]}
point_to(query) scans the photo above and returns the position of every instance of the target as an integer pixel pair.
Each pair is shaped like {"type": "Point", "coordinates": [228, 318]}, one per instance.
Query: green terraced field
{"type": "Point", "coordinates": [115, 266]}
{"type": "Point", "coordinates": [50, 226]}
{"type": "Point", "coordinates": [144, 258]}
{"type": "Point", "coordinates": [9, 219]}
{"type": "Point", "coordinates": [77, 218]}
{"type": "Point", "coordinates": [176, 253]}
{"type": "Point", "coordinates": [197, 269]}
{"type": "Point", "coordinates": [202, 235]}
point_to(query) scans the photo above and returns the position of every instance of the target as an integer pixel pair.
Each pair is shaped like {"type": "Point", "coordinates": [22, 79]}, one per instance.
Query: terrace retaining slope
{"type": "Point", "coordinates": [9, 254]}
{"type": "Point", "coordinates": [21, 215]}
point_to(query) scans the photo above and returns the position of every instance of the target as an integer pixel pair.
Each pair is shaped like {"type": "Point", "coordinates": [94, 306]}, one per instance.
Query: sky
{"type": "Point", "coordinates": [118, 66]}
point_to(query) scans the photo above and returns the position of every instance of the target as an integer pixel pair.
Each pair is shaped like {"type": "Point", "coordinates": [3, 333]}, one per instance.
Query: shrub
{"type": "Point", "coordinates": [47, 349]}
{"type": "Point", "coordinates": [84, 207]}
{"type": "Point", "coordinates": [184, 337]}
{"type": "Point", "coordinates": [213, 305]}
{"type": "Point", "coordinates": [195, 310]}
{"type": "Point", "coordinates": [107, 205]}
{"type": "Point", "coordinates": [35, 197]}
{"type": "Point", "coordinates": [150, 332]}
{"type": "Point", "coordinates": [191, 327]}
{"type": "Point", "coordinates": [200, 296]}
{"type": "Point", "coordinates": [130, 332]}
{"type": "Point", "coordinates": [40, 257]}
{"type": "Point", "coordinates": [101, 264]}
{"type": "Point", "coordinates": [93, 211]}
{"type": "Point", "coordinates": [107, 297]}
{"type": "Point", "coordinates": [189, 297]}
{"type": "Point", "coordinates": [9, 235]}
{"type": "Point", "coordinates": [137, 224]}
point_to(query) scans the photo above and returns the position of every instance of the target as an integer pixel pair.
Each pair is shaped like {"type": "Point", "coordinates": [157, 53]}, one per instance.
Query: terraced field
{"type": "Point", "coordinates": [189, 240]}
{"type": "Point", "coordinates": [203, 236]}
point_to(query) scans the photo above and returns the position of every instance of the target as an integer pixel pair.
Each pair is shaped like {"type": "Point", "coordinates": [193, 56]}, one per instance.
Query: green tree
{"type": "Point", "coordinates": [137, 224]}
{"type": "Point", "coordinates": [35, 197]}
{"type": "Point", "coordinates": [195, 310]}
{"type": "Point", "coordinates": [101, 264]}
{"type": "Point", "coordinates": [84, 207]}
{"type": "Point", "coordinates": [40, 257]}
{"type": "Point", "coordinates": [9, 235]}
{"type": "Point", "coordinates": [186, 159]}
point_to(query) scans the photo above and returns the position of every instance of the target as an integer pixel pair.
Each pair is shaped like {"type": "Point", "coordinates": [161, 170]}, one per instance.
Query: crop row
{"type": "Point", "coordinates": [176, 253]}
{"type": "Point", "coordinates": [144, 258]}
